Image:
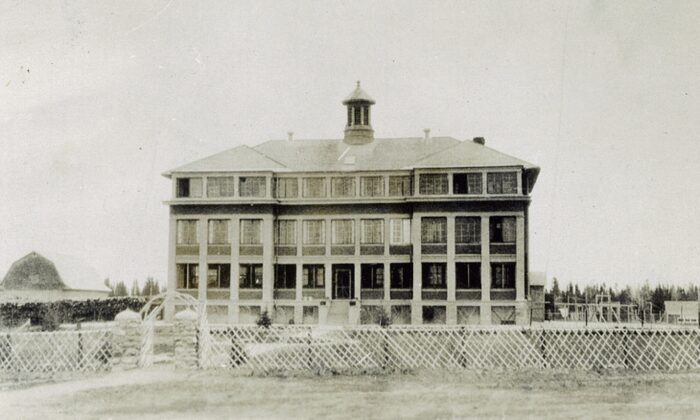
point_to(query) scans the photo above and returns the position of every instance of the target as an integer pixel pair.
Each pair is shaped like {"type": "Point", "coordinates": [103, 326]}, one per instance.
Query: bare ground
{"type": "Point", "coordinates": [163, 392]}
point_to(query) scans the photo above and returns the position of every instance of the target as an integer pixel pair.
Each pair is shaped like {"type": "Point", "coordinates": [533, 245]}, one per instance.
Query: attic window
{"type": "Point", "coordinates": [188, 187]}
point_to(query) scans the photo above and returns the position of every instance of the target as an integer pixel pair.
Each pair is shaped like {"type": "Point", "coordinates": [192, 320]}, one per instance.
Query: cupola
{"type": "Point", "coordinates": [358, 129]}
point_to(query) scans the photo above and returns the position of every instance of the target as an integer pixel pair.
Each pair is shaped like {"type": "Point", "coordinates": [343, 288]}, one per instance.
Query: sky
{"type": "Point", "coordinates": [98, 99]}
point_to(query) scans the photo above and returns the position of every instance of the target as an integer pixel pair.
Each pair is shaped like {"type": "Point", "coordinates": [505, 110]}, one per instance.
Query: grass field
{"type": "Point", "coordinates": [162, 392]}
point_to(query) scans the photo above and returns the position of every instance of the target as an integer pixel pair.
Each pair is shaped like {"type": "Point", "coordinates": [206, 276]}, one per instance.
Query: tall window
{"type": "Point", "coordinates": [252, 186]}
{"type": "Point", "coordinates": [313, 276]}
{"type": "Point", "coordinates": [218, 232]}
{"type": "Point", "coordinates": [401, 275]}
{"type": "Point", "coordinates": [431, 184]}
{"type": "Point", "coordinates": [343, 187]}
{"type": "Point", "coordinates": [285, 232]}
{"type": "Point", "coordinates": [469, 183]}
{"type": "Point", "coordinates": [434, 276]}
{"type": "Point", "coordinates": [188, 187]}
{"type": "Point", "coordinates": [400, 231]}
{"type": "Point", "coordinates": [187, 276]}
{"type": "Point", "coordinates": [358, 115]}
{"type": "Point", "coordinates": [219, 276]}
{"type": "Point", "coordinates": [467, 230]}
{"type": "Point", "coordinates": [251, 232]}
{"type": "Point", "coordinates": [468, 275]}
{"type": "Point", "coordinates": [343, 232]}
{"type": "Point", "coordinates": [371, 186]}
{"type": "Point", "coordinates": [220, 186]}
{"type": "Point", "coordinates": [250, 276]}
{"type": "Point", "coordinates": [286, 187]}
{"type": "Point", "coordinates": [503, 230]}
{"type": "Point", "coordinates": [434, 230]}
{"type": "Point", "coordinates": [372, 276]}
{"type": "Point", "coordinates": [314, 232]}
{"type": "Point", "coordinates": [502, 182]}
{"type": "Point", "coordinates": [314, 187]}
{"type": "Point", "coordinates": [372, 231]}
{"type": "Point", "coordinates": [285, 276]}
{"type": "Point", "coordinates": [503, 276]}
{"type": "Point", "coordinates": [400, 185]}
{"type": "Point", "coordinates": [187, 232]}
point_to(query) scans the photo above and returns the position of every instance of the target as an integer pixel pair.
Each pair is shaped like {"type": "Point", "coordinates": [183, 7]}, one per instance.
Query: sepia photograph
{"type": "Point", "coordinates": [257, 209]}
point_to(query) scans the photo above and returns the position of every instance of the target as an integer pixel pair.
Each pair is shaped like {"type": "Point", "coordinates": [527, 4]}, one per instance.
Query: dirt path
{"type": "Point", "coordinates": [162, 392]}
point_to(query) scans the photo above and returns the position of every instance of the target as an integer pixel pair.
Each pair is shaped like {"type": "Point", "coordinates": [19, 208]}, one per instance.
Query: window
{"type": "Point", "coordinates": [252, 186]}
{"type": "Point", "coordinates": [286, 187]}
{"type": "Point", "coordinates": [502, 182]}
{"type": "Point", "coordinates": [218, 232]}
{"type": "Point", "coordinates": [251, 276]}
{"type": "Point", "coordinates": [468, 275]}
{"type": "Point", "coordinates": [502, 230]}
{"type": "Point", "coordinates": [343, 232]}
{"type": "Point", "coordinates": [285, 232]}
{"type": "Point", "coordinates": [431, 184]}
{"type": "Point", "coordinates": [366, 114]}
{"type": "Point", "coordinates": [503, 276]}
{"type": "Point", "coordinates": [467, 230]}
{"type": "Point", "coordinates": [285, 276]}
{"type": "Point", "coordinates": [314, 187]}
{"type": "Point", "coordinates": [313, 276]}
{"type": "Point", "coordinates": [400, 231]}
{"type": "Point", "coordinates": [251, 232]}
{"type": "Point", "coordinates": [187, 276]}
{"type": "Point", "coordinates": [220, 186]}
{"type": "Point", "coordinates": [189, 187]}
{"type": "Point", "coordinates": [314, 232]}
{"type": "Point", "coordinates": [372, 276]}
{"type": "Point", "coordinates": [466, 183]}
{"type": "Point", "coordinates": [358, 117]}
{"type": "Point", "coordinates": [219, 276]}
{"type": "Point", "coordinates": [372, 231]}
{"type": "Point", "coordinates": [343, 187]}
{"type": "Point", "coordinates": [371, 186]}
{"type": "Point", "coordinates": [434, 230]}
{"type": "Point", "coordinates": [434, 276]}
{"type": "Point", "coordinates": [400, 185]}
{"type": "Point", "coordinates": [187, 232]}
{"type": "Point", "coordinates": [401, 276]}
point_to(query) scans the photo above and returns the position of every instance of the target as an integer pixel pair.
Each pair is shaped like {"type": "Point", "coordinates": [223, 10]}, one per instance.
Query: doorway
{"type": "Point", "coordinates": [343, 276]}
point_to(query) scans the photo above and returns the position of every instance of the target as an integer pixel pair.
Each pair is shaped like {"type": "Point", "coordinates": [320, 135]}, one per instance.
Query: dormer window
{"type": "Point", "coordinates": [188, 187]}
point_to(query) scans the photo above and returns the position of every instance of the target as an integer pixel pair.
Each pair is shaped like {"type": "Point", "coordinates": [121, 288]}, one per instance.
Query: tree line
{"type": "Point", "coordinates": [641, 295]}
{"type": "Point", "coordinates": [150, 288]}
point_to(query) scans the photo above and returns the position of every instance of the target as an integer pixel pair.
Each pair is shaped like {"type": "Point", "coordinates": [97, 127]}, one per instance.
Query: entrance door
{"type": "Point", "coordinates": [342, 283]}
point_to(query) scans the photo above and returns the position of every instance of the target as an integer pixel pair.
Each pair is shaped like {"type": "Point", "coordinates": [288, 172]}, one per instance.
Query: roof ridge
{"type": "Point", "coordinates": [266, 155]}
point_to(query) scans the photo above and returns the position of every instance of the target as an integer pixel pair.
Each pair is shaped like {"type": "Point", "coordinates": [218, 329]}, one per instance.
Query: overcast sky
{"type": "Point", "coordinates": [97, 99]}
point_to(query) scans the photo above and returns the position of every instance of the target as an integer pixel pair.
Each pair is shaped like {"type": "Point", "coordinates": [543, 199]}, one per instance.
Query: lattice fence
{"type": "Point", "coordinates": [30, 356]}
{"type": "Point", "coordinates": [302, 348]}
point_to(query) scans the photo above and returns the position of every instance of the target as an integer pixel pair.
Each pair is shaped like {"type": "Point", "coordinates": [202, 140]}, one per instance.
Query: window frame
{"type": "Point", "coordinates": [247, 276]}
{"type": "Point", "coordinates": [496, 182]}
{"type": "Point", "coordinates": [248, 190]}
{"type": "Point", "coordinates": [372, 276]}
{"type": "Point", "coordinates": [374, 181]}
{"type": "Point", "coordinates": [343, 187]}
{"type": "Point", "coordinates": [472, 270]}
{"type": "Point", "coordinates": [441, 233]}
{"type": "Point", "coordinates": [212, 234]}
{"type": "Point", "coordinates": [404, 184]}
{"type": "Point", "coordinates": [244, 231]}
{"type": "Point", "coordinates": [470, 188]}
{"type": "Point", "coordinates": [310, 274]}
{"type": "Point", "coordinates": [364, 233]}
{"type": "Point", "coordinates": [321, 234]}
{"type": "Point", "coordinates": [221, 271]}
{"type": "Point", "coordinates": [497, 235]}
{"type": "Point", "coordinates": [427, 184]}
{"type": "Point", "coordinates": [285, 276]}
{"type": "Point", "coordinates": [501, 282]}
{"type": "Point", "coordinates": [180, 234]}
{"type": "Point", "coordinates": [191, 272]}
{"type": "Point", "coordinates": [335, 225]}
{"type": "Point", "coordinates": [286, 182]}
{"type": "Point", "coordinates": [229, 185]}
{"type": "Point", "coordinates": [278, 232]}
{"type": "Point", "coordinates": [426, 282]}
{"type": "Point", "coordinates": [306, 191]}
{"type": "Point", "coordinates": [460, 234]}
{"type": "Point", "coordinates": [406, 277]}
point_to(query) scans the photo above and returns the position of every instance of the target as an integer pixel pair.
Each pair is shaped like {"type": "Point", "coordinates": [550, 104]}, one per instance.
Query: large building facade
{"type": "Point", "coordinates": [426, 230]}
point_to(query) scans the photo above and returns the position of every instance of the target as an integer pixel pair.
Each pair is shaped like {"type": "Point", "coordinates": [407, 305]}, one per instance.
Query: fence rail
{"type": "Point", "coordinates": [301, 348]}
{"type": "Point", "coordinates": [29, 356]}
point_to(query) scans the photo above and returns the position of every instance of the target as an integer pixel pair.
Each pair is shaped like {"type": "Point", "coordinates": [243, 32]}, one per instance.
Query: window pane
{"type": "Point", "coordinates": [195, 187]}
{"type": "Point", "coordinates": [433, 184]}
{"type": "Point", "coordinates": [314, 232]}
{"type": "Point", "coordinates": [434, 276]}
{"type": "Point", "coordinates": [343, 232]}
{"type": "Point", "coordinates": [251, 232]}
{"type": "Point", "coordinates": [218, 232]}
{"type": "Point", "coordinates": [286, 188]}
{"type": "Point", "coordinates": [434, 230]}
{"type": "Point", "coordinates": [467, 230]}
{"type": "Point", "coordinates": [187, 232]}
{"type": "Point", "coordinates": [399, 185]}
{"type": "Point", "coordinates": [469, 183]}
{"type": "Point", "coordinates": [314, 187]}
{"type": "Point", "coordinates": [220, 186]}
{"type": "Point", "coordinates": [502, 182]}
{"type": "Point", "coordinates": [252, 186]}
{"type": "Point", "coordinates": [401, 276]}
{"type": "Point", "coordinates": [468, 275]}
{"type": "Point", "coordinates": [400, 231]}
{"type": "Point", "coordinates": [371, 186]}
{"type": "Point", "coordinates": [343, 187]}
{"type": "Point", "coordinates": [373, 231]}
{"type": "Point", "coordinates": [503, 276]}
{"type": "Point", "coordinates": [285, 232]}
{"type": "Point", "coordinates": [503, 229]}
